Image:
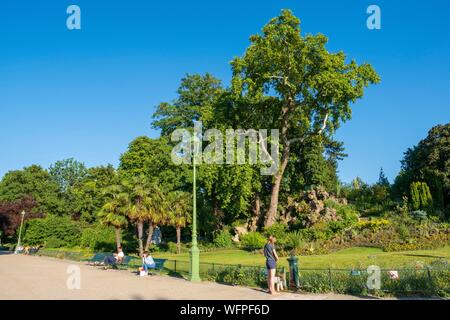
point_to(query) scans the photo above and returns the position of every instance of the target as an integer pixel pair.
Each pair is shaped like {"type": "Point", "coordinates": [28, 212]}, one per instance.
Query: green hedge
{"type": "Point", "coordinates": [253, 241]}
{"type": "Point", "coordinates": [420, 282]}
{"type": "Point", "coordinates": [53, 232]}
{"type": "Point", "coordinates": [98, 238]}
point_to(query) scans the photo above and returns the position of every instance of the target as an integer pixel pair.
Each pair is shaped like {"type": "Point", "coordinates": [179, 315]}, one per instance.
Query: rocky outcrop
{"type": "Point", "coordinates": [238, 232]}
{"type": "Point", "coordinates": [311, 208]}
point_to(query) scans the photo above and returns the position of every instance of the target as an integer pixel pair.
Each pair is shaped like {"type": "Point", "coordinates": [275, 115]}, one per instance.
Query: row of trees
{"type": "Point", "coordinates": [423, 181]}
{"type": "Point", "coordinates": [142, 201]}
{"type": "Point", "coordinates": [99, 194]}
{"type": "Point", "coordinates": [283, 80]}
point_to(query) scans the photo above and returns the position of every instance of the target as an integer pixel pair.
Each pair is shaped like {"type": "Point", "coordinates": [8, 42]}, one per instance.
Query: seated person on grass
{"type": "Point", "coordinates": [147, 262]}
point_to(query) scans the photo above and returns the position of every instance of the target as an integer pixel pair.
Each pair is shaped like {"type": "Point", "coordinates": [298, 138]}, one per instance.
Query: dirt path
{"type": "Point", "coordinates": [42, 278]}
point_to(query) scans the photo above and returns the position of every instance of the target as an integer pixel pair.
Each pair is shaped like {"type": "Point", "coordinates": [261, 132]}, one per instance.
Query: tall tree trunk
{"type": "Point", "coordinates": [178, 239]}
{"type": "Point", "coordinates": [118, 232]}
{"type": "Point", "coordinates": [151, 228]}
{"type": "Point", "coordinates": [255, 220]}
{"type": "Point", "coordinates": [271, 215]}
{"type": "Point", "coordinates": [140, 229]}
{"type": "Point", "coordinates": [217, 212]}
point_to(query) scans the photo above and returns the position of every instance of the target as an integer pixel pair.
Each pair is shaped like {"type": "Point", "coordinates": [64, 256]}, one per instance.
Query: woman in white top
{"type": "Point", "coordinates": [115, 258]}
{"type": "Point", "coordinates": [120, 255]}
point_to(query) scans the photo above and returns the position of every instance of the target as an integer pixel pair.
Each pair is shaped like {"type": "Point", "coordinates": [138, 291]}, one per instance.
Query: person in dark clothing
{"type": "Point", "coordinates": [114, 259]}
{"type": "Point", "coordinates": [271, 263]}
{"type": "Point", "coordinates": [110, 260]}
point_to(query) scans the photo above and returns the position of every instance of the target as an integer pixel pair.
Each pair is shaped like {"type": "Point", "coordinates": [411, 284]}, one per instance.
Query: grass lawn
{"type": "Point", "coordinates": [357, 257]}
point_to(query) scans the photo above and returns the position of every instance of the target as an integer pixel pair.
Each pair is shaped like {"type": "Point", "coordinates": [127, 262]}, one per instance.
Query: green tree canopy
{"type": "Point", "coordinates": [152, 159]}
{"type": "Point", "coordinates": [314, 88]}
{"type": "Point", "coordinates": [428, 162]}
{"type": "Point", "coordinates": [67, 173]}
{"type": "Point", "coordinates": [36, 182]}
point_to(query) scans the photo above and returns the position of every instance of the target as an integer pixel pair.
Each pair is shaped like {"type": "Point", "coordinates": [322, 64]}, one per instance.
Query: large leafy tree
{"type": "Point", "coordinates": [35, 182]}
{"type": "Point", "coordinates": [197, 96]}
{"type": "Point", "coordinates": [10, 214]}
{"type": "Point", "coordinates": [428, 162]}
{"type": "Point", "coordinates": [226, 192]}
{"type": "Point", "coordinates": [67, 173]}
{"type": "Point", "coordinates": [88, 194]}
{"type": "Point", "coordinates": [152, 158]}
{"type": "Point", "coordinates": [312, 88]}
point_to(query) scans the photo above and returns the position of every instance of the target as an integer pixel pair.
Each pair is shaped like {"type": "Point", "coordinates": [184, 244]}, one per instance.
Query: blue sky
{"type": "Point", "coordinates": [87, 93]}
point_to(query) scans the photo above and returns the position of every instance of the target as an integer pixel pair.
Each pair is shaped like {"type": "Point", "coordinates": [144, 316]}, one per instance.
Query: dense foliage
{"type": "Point", "coordinates": [283, 80]}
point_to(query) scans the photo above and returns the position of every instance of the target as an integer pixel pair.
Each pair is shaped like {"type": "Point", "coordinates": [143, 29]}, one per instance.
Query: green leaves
{"type": "Point", "coordinates": [36, 182]}
{"type": "Point", "coordinates": [179, 208]}
{"type": "Point", "coordinates": [420, 196]}
{"type": "Point", "coordinates": [67, 173]}
{"type": "Point", "coordinates": [197, 95]}
{"type": "Point", "coordinates": [152, 158]}
{"type": "Point", "coordinates": [428, 162]}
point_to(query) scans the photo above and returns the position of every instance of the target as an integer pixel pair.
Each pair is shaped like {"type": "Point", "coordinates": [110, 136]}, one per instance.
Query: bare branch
{"type": "Point", "coordinates": [324, 124]}
{"type": "Point", "coordinates": [261, 142]}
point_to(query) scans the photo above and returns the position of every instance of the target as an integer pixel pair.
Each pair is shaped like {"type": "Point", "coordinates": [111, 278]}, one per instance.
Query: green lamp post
{"type": "Point", "coordinates": [20, 234]}
{"type": "Point", "coordinates": [194, 253]}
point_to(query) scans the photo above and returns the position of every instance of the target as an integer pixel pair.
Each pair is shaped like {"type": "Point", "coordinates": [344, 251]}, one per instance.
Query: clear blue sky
{"type": "Point", "coordinates": [86, 94]}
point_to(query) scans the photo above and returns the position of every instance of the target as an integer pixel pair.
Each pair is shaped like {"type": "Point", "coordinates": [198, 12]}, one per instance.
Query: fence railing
{"type": "Point", "coordinates": [426, 281]}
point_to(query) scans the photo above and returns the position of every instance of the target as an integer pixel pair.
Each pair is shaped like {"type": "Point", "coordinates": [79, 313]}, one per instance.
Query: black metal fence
{"type": "Point", "coordinates": [427, 281]}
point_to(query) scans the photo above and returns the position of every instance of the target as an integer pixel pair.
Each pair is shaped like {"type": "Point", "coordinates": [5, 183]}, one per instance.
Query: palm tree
{"type": "Point", "coordinates": [179, 209]}
{"type": "Point", "coordinates": [113, 212]}
{"type": "Point", "coordinates": [143, 197]}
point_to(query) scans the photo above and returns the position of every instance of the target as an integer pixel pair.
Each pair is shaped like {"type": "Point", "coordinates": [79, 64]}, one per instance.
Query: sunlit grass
{"type": "Point", "coordinates": [357, 257]}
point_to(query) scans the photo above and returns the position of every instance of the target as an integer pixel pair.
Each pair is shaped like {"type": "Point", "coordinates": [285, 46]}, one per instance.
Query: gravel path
{"type": "Point", "coordinates": [42, 278]}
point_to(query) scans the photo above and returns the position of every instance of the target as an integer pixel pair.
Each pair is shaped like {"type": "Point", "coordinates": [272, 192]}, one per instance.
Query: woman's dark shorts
{"type": "Point", "coordinates": [270, 264]}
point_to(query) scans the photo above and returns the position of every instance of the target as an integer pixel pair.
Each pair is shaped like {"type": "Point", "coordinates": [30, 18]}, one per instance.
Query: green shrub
{"type": "Point", "coordinates": [348, 214]}
{"type": "Point", "coordinates": [223, 239]}
{"type": "Point", "coordinates": [420, 196]}
{"type": "Point", "coordinates": [253, 241]}
{"type": "Point", "coordinates": [237, 275]}
{"type": "Point", "coordinates": [98, 238]}
{"type": "Point", "coordinates": [419, 215]}
{"type": "Point", "coordinates": [373, 225]}
{"type": "Point", "coordinates": [294, 241]}
{"type": "Point", "coordinates": [172, 247]}
{"type": "Point", "coordinates": [424, 281]}
{"type": "Point", "coordinates": [278, 230]}
{"type": "Point", "coordinates": [53, 231]}
{"type": "Point", "coordinates": [403, 231]}
{"type": "Point", "coordinates": [54, 242]}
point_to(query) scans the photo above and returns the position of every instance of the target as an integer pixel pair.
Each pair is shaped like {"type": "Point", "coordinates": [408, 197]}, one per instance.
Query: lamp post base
{"type": "Point", "coordinates": [194, 266]}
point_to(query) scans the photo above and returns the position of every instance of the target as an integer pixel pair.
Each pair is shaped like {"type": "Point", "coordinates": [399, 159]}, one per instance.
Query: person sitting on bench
{"type": "Point", "coordinates": [120, 255]}
{"type": "Point", "coordinates": [115, 258]}
{"type": "Point", "coordinates": [147, 262]}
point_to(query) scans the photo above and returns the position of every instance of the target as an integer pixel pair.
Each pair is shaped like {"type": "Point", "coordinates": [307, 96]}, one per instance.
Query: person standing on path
{"type": "Point", "coordinates": [271, 263]}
